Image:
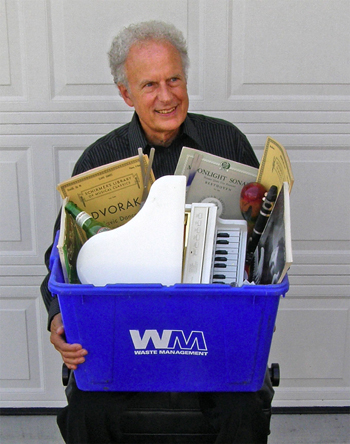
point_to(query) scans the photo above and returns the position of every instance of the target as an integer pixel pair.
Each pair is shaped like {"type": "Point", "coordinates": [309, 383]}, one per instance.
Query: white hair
{"type": "Point", "coordinates": [140, 32]}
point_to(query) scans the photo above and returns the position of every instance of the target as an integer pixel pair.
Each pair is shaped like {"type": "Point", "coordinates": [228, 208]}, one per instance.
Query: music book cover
{"type": "Point", "coordinates": [273, 255]}
{"type": "Point", "coordinates": [214, 179]}
{"type": "Point", "coordinates": [275, 167]}
{"type": "Point", "coordinates": [110, 193]}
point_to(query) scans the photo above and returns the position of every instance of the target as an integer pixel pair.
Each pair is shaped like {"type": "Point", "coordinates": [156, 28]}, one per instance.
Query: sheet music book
{"type": "Point", "coordinates": [275, 167]}
{"type": "Point", "coordinates": [110, 193]}
{"type": "Point", "coordinates": [214, 179]}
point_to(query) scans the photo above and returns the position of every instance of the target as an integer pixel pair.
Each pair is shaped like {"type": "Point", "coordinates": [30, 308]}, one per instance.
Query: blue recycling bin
{"type": "Point", "coordinates": [180, 338]}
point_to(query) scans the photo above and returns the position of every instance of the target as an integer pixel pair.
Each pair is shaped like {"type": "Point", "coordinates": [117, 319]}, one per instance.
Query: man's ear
{"type": "Point", "coordinates": [125, 94]}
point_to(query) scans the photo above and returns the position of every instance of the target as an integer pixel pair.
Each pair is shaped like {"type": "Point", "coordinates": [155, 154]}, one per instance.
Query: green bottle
{"type": "Point", "coordinates": [85, 221]}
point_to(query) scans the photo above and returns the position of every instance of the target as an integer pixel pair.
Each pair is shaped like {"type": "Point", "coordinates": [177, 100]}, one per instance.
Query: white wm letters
{"type": "Point", "coordinates": [150, 334]}
{"type": "Point", "coordinates": [168, 340]}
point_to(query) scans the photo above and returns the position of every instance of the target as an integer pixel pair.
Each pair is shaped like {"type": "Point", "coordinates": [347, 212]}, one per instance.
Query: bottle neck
{"type": "Point", "coordinates": [82, 218]}
{"type": "Point", "coordinates": [73, 209]}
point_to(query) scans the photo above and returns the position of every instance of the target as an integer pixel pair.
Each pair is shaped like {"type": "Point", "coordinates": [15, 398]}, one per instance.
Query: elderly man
{"type": "Point", "coordinates": [149, 64]}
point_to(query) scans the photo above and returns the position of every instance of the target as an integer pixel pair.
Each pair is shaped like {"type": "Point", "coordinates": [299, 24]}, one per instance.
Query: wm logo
{"type": "Point", "coordinates": [169, 340]}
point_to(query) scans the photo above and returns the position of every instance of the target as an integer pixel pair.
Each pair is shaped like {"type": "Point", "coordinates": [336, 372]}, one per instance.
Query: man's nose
{"type": "Point", "coordinates": [164, 93]}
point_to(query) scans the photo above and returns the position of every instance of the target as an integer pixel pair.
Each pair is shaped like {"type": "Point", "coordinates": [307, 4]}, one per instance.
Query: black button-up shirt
{"type": "Point", "coordinates": [205, 133]}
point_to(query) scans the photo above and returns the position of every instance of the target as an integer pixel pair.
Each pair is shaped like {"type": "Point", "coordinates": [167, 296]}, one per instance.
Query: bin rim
{"type": "Point", "coordinates": [58, 287]}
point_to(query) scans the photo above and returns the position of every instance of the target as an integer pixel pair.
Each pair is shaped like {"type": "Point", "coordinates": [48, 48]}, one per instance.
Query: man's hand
{"type": "Point", "coordinates": [72, 354]}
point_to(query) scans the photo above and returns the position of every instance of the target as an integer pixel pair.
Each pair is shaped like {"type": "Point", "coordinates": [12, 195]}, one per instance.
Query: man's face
{"type": "Point", "coordinates": [157, 89]}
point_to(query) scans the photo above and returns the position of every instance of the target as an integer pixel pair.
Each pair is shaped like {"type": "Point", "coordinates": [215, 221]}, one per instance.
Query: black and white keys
{"type": "Point", "coordinates": [229, 252]}
{"type": "Point", "coordinates": [215, 248]}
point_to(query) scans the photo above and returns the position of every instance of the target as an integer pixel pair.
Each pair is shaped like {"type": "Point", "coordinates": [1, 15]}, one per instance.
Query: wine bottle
{"type": "Point", "coordinates": [85, 221]}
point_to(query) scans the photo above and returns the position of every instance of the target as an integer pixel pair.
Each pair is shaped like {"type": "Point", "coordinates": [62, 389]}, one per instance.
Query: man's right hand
{"type": "Point", "coordinates": [72, 354]}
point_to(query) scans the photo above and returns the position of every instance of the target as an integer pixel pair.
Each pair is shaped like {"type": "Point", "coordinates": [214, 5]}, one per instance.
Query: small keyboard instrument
{"type": "Point", "coordinates": [229, 252]}
{"type": "Point", "coordinates": [215, 250]}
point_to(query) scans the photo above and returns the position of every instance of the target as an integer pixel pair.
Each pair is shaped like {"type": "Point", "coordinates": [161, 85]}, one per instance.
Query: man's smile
{"type": "Point", "coordinates": [166, 111]}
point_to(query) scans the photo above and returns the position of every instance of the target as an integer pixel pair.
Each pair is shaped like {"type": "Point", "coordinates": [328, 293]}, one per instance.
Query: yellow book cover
{"type": "Point", "coordinates": [111, 193]}
{"type": "Point", "coordinates": [275, 167]}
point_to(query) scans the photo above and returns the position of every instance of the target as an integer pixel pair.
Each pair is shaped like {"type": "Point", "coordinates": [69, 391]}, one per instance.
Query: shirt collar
{"type": "Point", "coordinates": [190, 130]}
{"type": "Point", "coordinates": [137, 138]}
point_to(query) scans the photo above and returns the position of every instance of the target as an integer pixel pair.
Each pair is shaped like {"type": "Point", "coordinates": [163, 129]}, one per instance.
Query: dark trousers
{"type": "Point", "coordinates": [95, 417]}
{"type": "Point", "coordinates": [238, 418]}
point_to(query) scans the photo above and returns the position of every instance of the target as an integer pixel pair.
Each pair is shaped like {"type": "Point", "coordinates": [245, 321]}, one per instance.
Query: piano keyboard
{"type": "Point", "coordinates": [221, 244]}
{"type": "Point", "coordinates": [229, 249]}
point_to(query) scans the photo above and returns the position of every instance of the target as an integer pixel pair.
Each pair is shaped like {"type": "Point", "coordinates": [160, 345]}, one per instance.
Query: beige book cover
{"type": "Point", "coordinates": [111, 193]}
{"type": "Point", "coordinates": [275, 167]}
